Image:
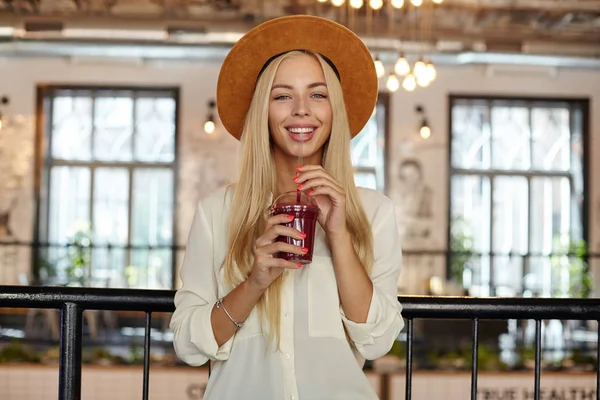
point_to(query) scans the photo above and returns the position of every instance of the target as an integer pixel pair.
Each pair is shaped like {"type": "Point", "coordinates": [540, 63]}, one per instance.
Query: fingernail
{"type": "Point", "coordinates": [298, 166]}
{"type": "Point", "coordinates": [300, 187]}
{"type": "Point", "coordinates": [311, 192]}
{"type": "Point", "coordinates": [299, 265]}
{"type": "Point", "coordinates": [290, 217]}
{"type": "Point", "coordinates": [302, 235]}
{"type": "Point", "coordinates": [304, 249]}
{"type": "Point", "coordinates": [295, 179]}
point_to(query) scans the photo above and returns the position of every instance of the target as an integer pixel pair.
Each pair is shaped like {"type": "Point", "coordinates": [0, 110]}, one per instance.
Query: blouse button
{"type": "Point", "coordinates": [287, 356]}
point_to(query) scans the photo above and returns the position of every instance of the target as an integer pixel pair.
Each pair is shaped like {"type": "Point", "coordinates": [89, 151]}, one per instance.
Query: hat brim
{"type": "Point", "coordinates": [351, 57]}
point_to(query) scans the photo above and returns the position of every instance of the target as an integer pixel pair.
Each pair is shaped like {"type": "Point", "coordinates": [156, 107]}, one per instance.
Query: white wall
{"type": "Point", "coordinates": [205, 158]}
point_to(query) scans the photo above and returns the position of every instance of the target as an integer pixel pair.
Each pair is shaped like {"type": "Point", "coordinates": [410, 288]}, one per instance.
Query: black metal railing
{"type": "Point", "coordinates": [73, 301]}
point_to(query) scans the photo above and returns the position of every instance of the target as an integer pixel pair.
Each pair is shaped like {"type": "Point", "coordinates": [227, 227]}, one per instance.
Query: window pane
{"type": "Point", "coordinates": [470, 135]}
{"type": "Point", "coordinates": [113, 122]}
{"type": "Point", "coordinates": [152, 218]}
{"type": "Point", "coordinates": [471, 227]}
{"type": "Point", "coordinates": [71, 128]}
{"type": "Point", "coordinates": [110, 223]}
{"type": "Point", "coordinates": [69, 202]}
{"type": "Point", "coordinates": [366, 179]}
{"type": "Point", "coordinates": [550, 229]}
{"type": "Point", "coordinates": [150, 269]}
{"type": "Point", "coordinates": [551, 138]}
{"type": "Point", "coordinates": [111, 198]}
{"type": "Point", "coordinates": [367, 149]}
{"type": "Point", "coordinates": [510, 137]}
{"type": "Point", "coordinates": [155, 129]}
{"type": "Point", "coordinates": [68, 214]}
{"type": "Point", "coordinates": [510, 227]}
{"type": "Point", "coordinates": [152, 226]}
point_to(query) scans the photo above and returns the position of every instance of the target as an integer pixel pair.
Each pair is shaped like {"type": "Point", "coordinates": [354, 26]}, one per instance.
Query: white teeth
{"type": "Point", "coordinates": [301, 130]}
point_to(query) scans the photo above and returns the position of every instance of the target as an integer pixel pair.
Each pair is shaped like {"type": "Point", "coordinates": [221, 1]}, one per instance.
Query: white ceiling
{"type": "Point", "coordinates": [546, 30]}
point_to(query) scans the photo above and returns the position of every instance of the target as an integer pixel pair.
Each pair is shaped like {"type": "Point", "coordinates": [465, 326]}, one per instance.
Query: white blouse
{"type": "Point", "coordinates": [314, 361]}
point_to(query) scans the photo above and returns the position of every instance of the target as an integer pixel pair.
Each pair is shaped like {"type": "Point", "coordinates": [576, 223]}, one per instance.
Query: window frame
{"type": "Point", "coordinates": [43, 164]}
{"type": "Point", "coordinates": [582, 102]}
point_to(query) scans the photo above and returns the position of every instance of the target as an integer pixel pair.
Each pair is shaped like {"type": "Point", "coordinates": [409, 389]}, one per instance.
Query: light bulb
{"type": "Point", "coordinates": [376, 4]}
{"type": "Point", "coordinates": [420, 68]}
{"type": "Point", "coordinates": [423, 80]}
{"type": "Point", "coordinates": [379, 68]}
{"type": "Point", "coordinates": [425, 132]}
{"type": "Point", "coordinates": [392, 83]}
{"type": "Point", "coordinates": [431, 72]}
{"type": "Point", "coordinates": [209, 127]}
{"type": "Point", "coordinates": [397, 3]}
{"type": "Point", "coordinates": [409, 84]}
{"type": "Point", "coordinates": [402, 66]}
{"type": "Point", "coordinates": [337, 3]}
{"type": "Point", "coordinates": [416, 3]}
{"type": "Point", "coordinates": [356, 3]}
{"type": "Point", "coordinates": [322, 1]}
{"type": "Point", "coordinates": [438, 1]}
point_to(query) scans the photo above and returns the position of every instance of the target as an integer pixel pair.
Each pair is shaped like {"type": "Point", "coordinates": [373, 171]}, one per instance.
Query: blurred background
{"type": "Point", "coordinates": [486, 136]}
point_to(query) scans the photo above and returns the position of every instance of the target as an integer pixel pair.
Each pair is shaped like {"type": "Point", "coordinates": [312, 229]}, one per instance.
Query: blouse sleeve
{"type": "Point", "coordinates": [375, 337]}
{"type": "Point", "coordinates": [194, 340]}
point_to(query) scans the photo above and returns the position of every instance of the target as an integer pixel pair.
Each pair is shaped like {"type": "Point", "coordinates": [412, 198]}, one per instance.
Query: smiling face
{"type": "Point", "coordinates": [300, 113]}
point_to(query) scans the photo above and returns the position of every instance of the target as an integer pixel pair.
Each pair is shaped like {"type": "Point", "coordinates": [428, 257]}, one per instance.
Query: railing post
{"type": "Point", "coordinates": [69, 372]}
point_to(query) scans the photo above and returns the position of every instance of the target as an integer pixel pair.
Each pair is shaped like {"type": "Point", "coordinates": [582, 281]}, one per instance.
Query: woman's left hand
{"type": "Point", "coordinates": [328, 194]}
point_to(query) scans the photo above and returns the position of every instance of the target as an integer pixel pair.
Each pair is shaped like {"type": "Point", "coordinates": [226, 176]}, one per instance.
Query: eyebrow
{"type": "Point", "coordinates": [311, 86]}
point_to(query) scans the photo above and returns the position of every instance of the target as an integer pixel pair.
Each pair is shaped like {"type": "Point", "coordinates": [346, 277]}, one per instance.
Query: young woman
{"type": "Point", "coordinates": [276, 329]}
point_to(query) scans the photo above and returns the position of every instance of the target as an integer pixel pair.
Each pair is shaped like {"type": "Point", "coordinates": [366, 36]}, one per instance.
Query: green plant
{"type": "Point", "coordinates": [398, 349]}
{"type": "Point", "coordinates": [461, 249]}
{"type": "Point", "coordinates": [572, 258]}
{"type": "Point", "coordinates": [78, 257]}
{"type": "Point", "coordinates": [15, 352]}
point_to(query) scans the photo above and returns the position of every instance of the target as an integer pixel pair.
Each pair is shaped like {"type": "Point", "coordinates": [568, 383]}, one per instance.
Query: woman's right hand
{"type": "Point", "coordinates": [266, 267]}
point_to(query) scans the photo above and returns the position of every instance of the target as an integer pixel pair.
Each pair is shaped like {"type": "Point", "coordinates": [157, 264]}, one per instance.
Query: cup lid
{"type": "Point", "coordinates": [295, 197]}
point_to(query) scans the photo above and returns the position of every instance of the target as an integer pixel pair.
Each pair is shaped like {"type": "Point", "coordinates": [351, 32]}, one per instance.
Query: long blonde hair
{"type": "Point", "coordinates": [257, 170]}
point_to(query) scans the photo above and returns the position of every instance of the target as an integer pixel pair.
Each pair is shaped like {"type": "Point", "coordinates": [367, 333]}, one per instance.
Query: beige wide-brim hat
{"type": "Point", "coordinates": [351, 57]}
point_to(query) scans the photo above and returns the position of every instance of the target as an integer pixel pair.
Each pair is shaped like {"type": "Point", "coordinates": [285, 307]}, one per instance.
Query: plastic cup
{"type": "Point", "coordinates": [305, 212]}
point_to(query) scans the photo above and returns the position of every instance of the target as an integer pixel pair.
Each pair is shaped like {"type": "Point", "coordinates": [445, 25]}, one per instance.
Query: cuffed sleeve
{"type": "Point", "coordinates": [193, 339]}
{"type": "Point", "coordinates": [374, 338]}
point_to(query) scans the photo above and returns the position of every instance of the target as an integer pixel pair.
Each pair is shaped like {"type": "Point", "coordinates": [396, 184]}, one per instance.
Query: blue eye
{"type": "Point", "coordinates": [319, 96]}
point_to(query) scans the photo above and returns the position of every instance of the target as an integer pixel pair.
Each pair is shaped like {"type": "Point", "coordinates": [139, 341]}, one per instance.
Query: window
{"type": "Point", "coordinates": [517, 195]}
{"type": "Point", "coordinates": [107, 200]}
{"type": "Point", "coordinates": [368, 155]}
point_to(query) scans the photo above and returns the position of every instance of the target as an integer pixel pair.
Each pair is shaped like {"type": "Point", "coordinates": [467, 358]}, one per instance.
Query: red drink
{"type": "Point", "coordinates": [305, 220]}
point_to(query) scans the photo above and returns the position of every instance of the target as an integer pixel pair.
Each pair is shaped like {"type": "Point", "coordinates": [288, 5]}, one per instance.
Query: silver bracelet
{"type": "Point", "coordinates": [221, 305]}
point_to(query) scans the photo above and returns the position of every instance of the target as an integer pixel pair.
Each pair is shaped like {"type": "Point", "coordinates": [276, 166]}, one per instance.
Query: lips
{"type": "Point", "coordinates": [301, 133]}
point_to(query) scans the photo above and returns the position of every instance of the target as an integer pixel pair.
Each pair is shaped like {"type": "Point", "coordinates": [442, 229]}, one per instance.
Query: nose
{"type": "Point", "coordinates": [301, 107]}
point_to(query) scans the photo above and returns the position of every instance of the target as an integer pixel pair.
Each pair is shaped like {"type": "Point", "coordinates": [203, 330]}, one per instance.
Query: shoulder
{"type": "Point", "coordinates": [378, 208]}
{"type": "Point", "coordinates": [218, 200]}
{"type": "Point", "coordinates": [373, 200]}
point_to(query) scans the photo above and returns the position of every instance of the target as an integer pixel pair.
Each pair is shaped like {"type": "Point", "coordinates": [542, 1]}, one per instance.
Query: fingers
{"type": "Point", "coordinates": [320, 182]}
{"type": "Point", "coordinates": [282, 247]}
{"type": "Point", "coordinates": [311, 176]}
{"type": "Point", "coordinates": [274, 229]}
{"type": "Point", "coordinates": [272, 262]}
{"type": "Point", "coordinates": [336, 196]}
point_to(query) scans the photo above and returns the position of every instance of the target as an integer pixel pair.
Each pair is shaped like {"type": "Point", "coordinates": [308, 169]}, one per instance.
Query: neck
{"type": "Point", "coordinates": [285, 166]}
